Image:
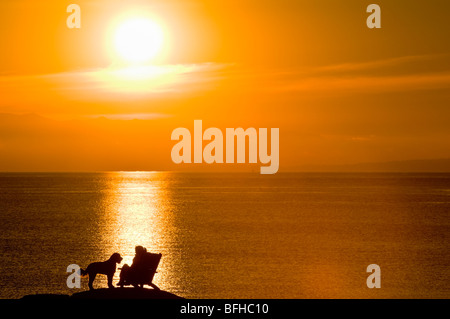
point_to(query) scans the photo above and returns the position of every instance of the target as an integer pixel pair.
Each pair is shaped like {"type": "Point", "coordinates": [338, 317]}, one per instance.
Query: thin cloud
{"type": "Point", "coordinates": [119, 83]}
{"type": "Point", "coordinates": [370, 83]}
{"type": "Point", "coordinates": [377, 64]}
{"type": "Point", "coordinates": [131, 116]}
{"type": "Point", "coordinates": [422, 72]}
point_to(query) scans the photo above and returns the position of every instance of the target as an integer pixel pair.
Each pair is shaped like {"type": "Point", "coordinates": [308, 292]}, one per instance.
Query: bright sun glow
{"type": "Point", "coordinates": [138, 40]}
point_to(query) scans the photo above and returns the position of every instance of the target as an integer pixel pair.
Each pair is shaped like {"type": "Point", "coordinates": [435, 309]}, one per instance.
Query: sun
{"type": "Point", "coordinates": [138, 40]}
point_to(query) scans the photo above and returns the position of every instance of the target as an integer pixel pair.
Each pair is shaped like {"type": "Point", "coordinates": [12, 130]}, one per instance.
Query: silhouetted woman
{"type": "Point", "coordinates": [128, 273]}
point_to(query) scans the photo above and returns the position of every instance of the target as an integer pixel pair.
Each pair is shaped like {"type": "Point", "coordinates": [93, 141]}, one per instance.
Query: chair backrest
{"type": "Point", "coordinates": [150, 264]}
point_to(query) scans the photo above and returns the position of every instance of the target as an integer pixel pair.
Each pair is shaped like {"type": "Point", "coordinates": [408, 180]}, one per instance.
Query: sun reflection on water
{"type": "Point", "coordinates": [138, 212]}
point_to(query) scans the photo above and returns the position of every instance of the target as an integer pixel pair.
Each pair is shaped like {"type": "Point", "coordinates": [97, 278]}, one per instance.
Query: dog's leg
{"type": "Point", "coordinates": [91, 280]}
{"type": "Point", "coordinates": [110, 278]}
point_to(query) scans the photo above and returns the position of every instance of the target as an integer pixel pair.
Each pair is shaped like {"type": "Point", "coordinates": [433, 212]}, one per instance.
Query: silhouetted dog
{"type": "Point", "coordinates": [107, 268]}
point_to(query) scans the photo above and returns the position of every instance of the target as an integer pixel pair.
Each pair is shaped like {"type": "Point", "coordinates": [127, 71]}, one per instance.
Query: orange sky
{"type": "Point", "coordinates": [339, 92]}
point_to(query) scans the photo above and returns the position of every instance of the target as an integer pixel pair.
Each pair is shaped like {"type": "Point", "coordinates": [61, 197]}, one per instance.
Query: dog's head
{"type": "Point", "coordinates": [116, 258]}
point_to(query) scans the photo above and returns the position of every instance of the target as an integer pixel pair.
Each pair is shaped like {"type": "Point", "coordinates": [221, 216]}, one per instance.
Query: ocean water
{"type": "Point", "coordinates": [231, 235]}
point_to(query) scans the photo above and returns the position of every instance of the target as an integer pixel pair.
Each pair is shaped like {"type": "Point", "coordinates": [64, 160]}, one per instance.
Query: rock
{"type": "Point", "coordinates": [38, 297]}
{"type": "Point", "coordinates": [106, 293]}
{"type": "Point", "coordinates": [124, 293]}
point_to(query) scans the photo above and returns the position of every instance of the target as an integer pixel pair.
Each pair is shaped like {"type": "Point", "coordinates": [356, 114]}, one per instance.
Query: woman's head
{"type": "Point", "coordinates": [139, 250]}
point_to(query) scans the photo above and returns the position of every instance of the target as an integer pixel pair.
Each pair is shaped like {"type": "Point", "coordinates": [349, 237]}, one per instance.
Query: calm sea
{"type": "Point", "coordinates": [231, 235]}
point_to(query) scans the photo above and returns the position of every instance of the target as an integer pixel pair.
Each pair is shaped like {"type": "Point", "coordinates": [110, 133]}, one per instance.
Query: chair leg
{"type": "Point", "coordinates": [154, 286]}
